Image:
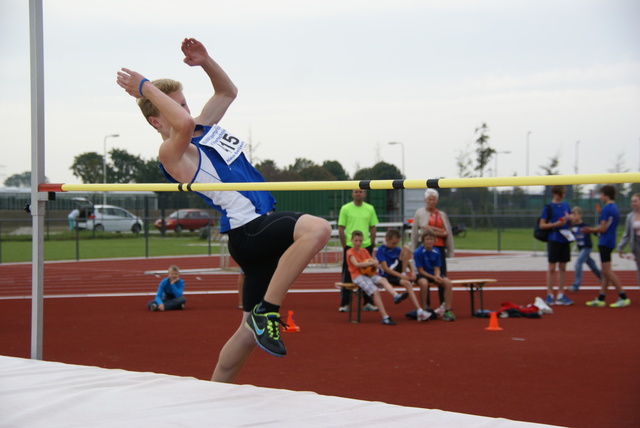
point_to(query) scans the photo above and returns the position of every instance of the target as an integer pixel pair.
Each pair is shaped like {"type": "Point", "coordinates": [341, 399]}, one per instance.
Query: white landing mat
{"type": "Point", "coordinates": [46, 394]}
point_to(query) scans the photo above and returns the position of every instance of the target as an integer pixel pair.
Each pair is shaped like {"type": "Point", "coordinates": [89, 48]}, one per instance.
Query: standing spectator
{"type": "Point", "coordinates": [558, 247]}
{"type": "Point", "coordinates": [356, 215]}
{"type": "Point", "coordinates": [170, 293]}
{"type": "Point", "coordinates": [72, 217]}
{"type": "Point", "coordinates": [631, 234]}
{"type": "Point", "coordinates": [583, 241]}
{"type": "Point", "coordinates": [430, 218]}
{"type": "Point", "coordinates": [609, 218]}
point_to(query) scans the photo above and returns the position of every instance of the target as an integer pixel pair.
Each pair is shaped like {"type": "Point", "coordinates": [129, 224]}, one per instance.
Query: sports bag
{"type": "Point", "coordinates": [542, 234]}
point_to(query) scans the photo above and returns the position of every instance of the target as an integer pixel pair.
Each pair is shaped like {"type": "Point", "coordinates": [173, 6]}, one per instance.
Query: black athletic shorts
{"type": "Point", "coordinates": [394, 280]}
{"type": "Point", "coordinates": [605, 254]}
{"type": "Point", "coordinates": [429, 280]}
{"type": "Point", "coordinates": [558, 252]}
{"type": "Point", "coordinates": [257, 247]}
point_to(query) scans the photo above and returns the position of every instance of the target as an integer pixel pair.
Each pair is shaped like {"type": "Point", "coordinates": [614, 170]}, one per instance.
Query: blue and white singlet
{"type": "Point", "coordinates": [222, 161]}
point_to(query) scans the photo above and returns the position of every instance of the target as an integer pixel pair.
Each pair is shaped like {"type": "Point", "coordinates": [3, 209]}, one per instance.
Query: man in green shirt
{"type": "Point", "coordinates": [356, 215]}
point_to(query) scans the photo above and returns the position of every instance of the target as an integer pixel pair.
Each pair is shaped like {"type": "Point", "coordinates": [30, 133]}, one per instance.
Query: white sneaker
{"type": "Point", "coordinates": [370, 308]}
{"type": "Point", "coordinates": [344, 308]}
{"type": "Point", "coordinates": [423, 315]}
{"type": "Point", "coordinates": [440, 311]}
{"type": "Point", "coordinates": [543, 308]}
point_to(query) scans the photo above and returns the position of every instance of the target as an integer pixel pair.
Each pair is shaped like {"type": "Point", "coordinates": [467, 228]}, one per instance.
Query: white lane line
{"type": "Point", "coordinates": [296, 290]}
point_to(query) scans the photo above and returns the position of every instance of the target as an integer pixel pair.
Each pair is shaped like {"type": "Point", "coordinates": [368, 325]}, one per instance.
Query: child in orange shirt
{"type": "Point", "coordinates": [359, 258]}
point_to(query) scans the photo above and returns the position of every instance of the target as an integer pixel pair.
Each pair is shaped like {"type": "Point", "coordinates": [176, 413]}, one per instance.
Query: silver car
{"type": "Point", "coordinates": [109, 218]}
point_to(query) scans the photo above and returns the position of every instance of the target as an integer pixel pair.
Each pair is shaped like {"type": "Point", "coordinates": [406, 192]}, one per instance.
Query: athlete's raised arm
{"type": "Point", "coordinates": [195, 54]}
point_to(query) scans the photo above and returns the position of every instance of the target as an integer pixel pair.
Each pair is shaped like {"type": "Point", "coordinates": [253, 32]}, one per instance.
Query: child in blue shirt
{"type": "Point", "coordinates": [609, 218]}
{"type": "Point", "coordinates": [393, 264]}
{"type": "Point", "coordinates": [428, 264]}
{"type": "Point", "coordinates": [170, 293]}
{"type": "Point", "coordinates": [558, 247]}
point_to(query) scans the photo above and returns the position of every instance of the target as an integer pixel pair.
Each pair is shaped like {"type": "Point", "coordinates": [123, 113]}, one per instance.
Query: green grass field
{"type": "Point", "coordinates": [125, 246]}
{"type": "Point", "coordinates": [128, 245]}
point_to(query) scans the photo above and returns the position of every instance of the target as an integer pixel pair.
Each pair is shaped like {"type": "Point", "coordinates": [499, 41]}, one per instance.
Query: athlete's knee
{"type": "Point", "coordinates": [314, 227]}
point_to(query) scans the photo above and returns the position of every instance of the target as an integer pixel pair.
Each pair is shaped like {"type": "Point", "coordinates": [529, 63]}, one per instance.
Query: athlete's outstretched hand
{"type": "Point", "coordinates": [194, 52]}
{"type": "Point", "coordinates": [129, 80]}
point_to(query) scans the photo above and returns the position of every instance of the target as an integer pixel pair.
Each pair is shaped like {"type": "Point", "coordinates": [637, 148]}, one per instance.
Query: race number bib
{"type": "Point", "coordinates": [228, 146]}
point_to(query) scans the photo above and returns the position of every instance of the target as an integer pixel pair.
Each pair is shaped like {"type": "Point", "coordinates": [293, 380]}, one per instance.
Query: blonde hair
{"type": "Point", "coordinates": [576, 210]}
{"type": "Point", "coordinates": [173, 268]}
{"type": "Point", "coordinates": [168, 86]}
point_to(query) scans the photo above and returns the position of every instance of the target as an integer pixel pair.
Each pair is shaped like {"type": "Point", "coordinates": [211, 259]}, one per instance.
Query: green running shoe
{"type": "Point", "coordinates": [448, 316]}
{"type": "Point", "coordinates": [266, 331]}
{"type": "Point", "coordinates": [620, 303]}
{"type": "Point", "coordinates": [597, 303]}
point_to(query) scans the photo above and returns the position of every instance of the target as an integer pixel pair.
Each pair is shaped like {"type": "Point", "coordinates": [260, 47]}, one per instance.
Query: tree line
{"type": "Point", "coordinates": [123, 167]}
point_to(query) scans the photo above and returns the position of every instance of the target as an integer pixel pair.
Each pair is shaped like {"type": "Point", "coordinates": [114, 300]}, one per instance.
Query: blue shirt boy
{"type": "Point", "coordinates": [611, 215]}
{"type": "Point", "coordinates": [558, 210]}
{"type": "Point", "coordinates": [427, 259]}
{"type": "Point", "coordinates": [389, 255]}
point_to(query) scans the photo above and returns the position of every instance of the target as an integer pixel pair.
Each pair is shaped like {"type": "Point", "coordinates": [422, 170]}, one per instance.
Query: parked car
{"type": "Point", "coordinates": [185, 219]}
{"type": "Point", "coordinates": [109, 218]}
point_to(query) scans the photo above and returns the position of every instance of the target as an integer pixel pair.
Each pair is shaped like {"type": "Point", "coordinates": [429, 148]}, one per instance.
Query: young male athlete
{"type": "Point", "coordinates": [609, 219]}
{"type": "Point", "coordinates": [271, 248]}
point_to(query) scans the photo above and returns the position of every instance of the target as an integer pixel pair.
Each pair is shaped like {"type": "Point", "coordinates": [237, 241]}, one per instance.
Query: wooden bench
{"type": "Point", "coordinates": [474, 286]}
{"type": "Point", "coordinates": [355, 290]}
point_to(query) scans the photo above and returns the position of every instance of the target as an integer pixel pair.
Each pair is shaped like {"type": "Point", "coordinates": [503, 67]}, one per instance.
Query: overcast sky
{"type": "Point", "coordinates": [338, 80]}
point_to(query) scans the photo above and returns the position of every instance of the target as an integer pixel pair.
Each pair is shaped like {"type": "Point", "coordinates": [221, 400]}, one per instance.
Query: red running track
{"type": "Point", "coordinates": [577, 367]}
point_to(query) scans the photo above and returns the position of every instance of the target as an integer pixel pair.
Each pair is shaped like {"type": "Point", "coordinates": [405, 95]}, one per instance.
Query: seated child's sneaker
{"type": "Point", "coordinates": [400, 297]}
{"type": "Point", "coordinates": [388, 321]}
{"type": "Point", "coordinates": [448, 316]}
{"type": "Point", "coordinates": [423, 315]}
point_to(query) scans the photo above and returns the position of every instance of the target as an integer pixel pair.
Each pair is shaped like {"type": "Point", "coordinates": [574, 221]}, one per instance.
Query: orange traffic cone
{"type": "Point", "coordinates": [493, 322]}
{"type": "Point", "coordinates": [291, 327]}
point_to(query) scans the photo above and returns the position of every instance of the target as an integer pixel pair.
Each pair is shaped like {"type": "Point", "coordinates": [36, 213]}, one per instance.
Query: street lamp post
{"type": "Point", "coordinates": [576, 187]}
{"type": "Point", "coordinates": [526, 189]}
{"type": "Point", "coordinates": [104, 164]}
{"type": "Point", "coordinates": [528, 133]}
{"type": "Point", "coordinates": [393, 143]}
{"type": "Point", "coordinates": [495, 174]}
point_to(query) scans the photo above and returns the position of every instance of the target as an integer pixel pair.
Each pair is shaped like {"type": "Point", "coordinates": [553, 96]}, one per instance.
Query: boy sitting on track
{"type": "Point", "coordinates": [428, 264]}
{"type": "Point", "coordinates": [271, 248]}
{"type": "Point", "coordinates": [395, 267]}
{"type": "Point", "coordinates": [358, 261]}
{"type": "Point", "coordinates": [170, 293]}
